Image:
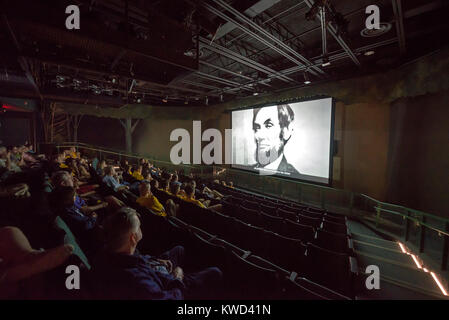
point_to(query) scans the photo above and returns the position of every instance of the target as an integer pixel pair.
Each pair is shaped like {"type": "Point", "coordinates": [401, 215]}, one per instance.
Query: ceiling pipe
{"type": "Point", "coordinates": [254, 35]}
{"type": "Point", "coordinates": [334, 32]}
{"type": "Point", "coordinates": [241, 59]}
{"type": "Point", "coordinates": [287, 51]}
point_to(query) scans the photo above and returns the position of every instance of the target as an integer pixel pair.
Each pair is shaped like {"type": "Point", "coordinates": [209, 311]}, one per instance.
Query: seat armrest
{"type": "Point", "coordinates": [353, 266]}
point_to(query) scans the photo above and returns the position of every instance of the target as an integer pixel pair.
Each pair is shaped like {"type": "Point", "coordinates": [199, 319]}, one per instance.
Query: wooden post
{"type": "Point", "coordinates": [129, 129]}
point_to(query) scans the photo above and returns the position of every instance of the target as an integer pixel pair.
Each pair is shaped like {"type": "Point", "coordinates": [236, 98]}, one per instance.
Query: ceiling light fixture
{"type": "Point", "coordinates": [165, 100]}
{"type": "Point", "coordinates": [306, 78]}
{"type": "Point", "coordinates": [326, 62]}
{"type": "Point", "coordinates": [369, 53]}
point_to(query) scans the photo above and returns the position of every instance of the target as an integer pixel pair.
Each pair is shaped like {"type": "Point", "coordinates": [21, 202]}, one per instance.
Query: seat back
{"type": "Point", "coordinates": [69, 238]}
{"type": "Point", "coordinates": [287, 214]}
{"type": "Point", "coordinates": [330, 226]}
{"type": "Point", "coordinates": [285, 252]}
{"type": "Point", "coordinates": [249, 280]}
{"type": "Point", "coordinates": [249, 216]}
{"type": "Point", "coordinates": [298, 231]}
{"type": "Point", "coordinates": [313, 222]}
{"type": "Point", "coordinates": [329, 268]}
{"type": "Point", "coordinates": [332, 241]}
{"type": "Point", "coordinates": [250, 204]}
{"type": "Point", "coordinates": [272, 223]}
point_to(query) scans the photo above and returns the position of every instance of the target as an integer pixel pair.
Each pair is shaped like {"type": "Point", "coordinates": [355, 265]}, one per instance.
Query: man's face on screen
{"type": "Point", "coordinates": [267, 133]}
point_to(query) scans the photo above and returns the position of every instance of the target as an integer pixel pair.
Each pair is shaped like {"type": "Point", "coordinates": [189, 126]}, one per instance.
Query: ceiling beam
{"type": "Point", "coordinates": [275, 43]}
{"type": "Point", "coordinates": [251, 12]}
{"type": "Point", "coordinates": [241, 59]}
{"type": "Point", "coordinates": [334, 32]}
{"type": "Point", "coordinates": [399, 19]}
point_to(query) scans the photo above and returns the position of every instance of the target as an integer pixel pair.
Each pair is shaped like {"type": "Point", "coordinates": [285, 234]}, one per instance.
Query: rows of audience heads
{"type": "Point", "coordinates": [90, 193]}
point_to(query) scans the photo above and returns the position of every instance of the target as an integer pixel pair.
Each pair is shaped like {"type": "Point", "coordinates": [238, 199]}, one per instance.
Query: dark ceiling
{"type": "Point", "coordinates": [187, 52]}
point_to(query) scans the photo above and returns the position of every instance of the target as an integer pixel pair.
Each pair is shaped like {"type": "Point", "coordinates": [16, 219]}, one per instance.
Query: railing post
{"type": "Point", "coordinates": [422, 236]}
{"type": "Point", "coordinates": [407, 226]}
{"type": "Point", "coordinates": [322, 198]}
{"type": "Point", "coordinates": [351, 202]}
{"type": "Point", "coordinates": [445, 249]}
{"type": "Point", "coordinates": [378, 208]}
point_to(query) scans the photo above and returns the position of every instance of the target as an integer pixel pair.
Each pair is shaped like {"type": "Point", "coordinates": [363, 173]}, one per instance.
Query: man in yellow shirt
{"type": "Point", "coordinates": [149, 201]}
{"type": "Point", "coordinates": [190, 196]}
{"type": "Point", "coordinates": [137, 174]}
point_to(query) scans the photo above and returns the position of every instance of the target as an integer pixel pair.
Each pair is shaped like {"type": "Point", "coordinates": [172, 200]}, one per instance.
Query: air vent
{"type": "Point", "coordinates": [369, 33]}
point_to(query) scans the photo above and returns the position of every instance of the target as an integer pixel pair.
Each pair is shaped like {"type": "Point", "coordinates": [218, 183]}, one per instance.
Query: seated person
{"type": "Point", "coordinates": [110, 180]}
{"type": "Point", "coordinates": [137, 173]}
{"type": "Point", "coordinates": [190, 197]}
{"type": "Point", "coordinates": [120, 272]}
{"type": "Point", "coordinates": [100, 168]}
{"type": "Point", "coordinates": [71, 153]}
{"type": "Point", "coordinates": [19, 261]}
{"type": "Point", "coordinates": [165, 186]}
{"type": "Point", "coordinates": [6, 163]}
{"type": "Point", "coordinates": [127, 175]}
{"type": "Point", "coordinates": [175, 180]}
{"type": "Point", "coordinates": [175, 190]}
{"type": "Point", "coordinates": [83, 225]}
{"type": "Point", "coordinates": [154, 184]}
{"type": "Point", "coordinates": [149, 201]}
{"type": "Point", "coordinates": [63, 178]}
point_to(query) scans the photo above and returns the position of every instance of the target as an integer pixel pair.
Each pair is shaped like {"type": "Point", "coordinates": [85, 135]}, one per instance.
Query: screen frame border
{"type": "Point", "coordinates": [331, 145]}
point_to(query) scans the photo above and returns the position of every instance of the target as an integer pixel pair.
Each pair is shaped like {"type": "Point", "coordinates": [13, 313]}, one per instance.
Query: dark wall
{"type": "Point", "coordinates": [105, 132]}
{"type": "Point", "coordinates": [15, 128]}
{"type": "Point", "coordinates": [418, 173]}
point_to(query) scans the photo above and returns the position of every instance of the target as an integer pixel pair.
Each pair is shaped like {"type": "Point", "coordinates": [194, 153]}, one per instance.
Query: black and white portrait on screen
{"type": "Point", "coordinates": [291, 140]}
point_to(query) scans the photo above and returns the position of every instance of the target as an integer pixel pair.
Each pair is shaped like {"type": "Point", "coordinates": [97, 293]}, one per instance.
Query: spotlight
{"type": "Point", "coordinates": [306, 78]}
{"type": "Point", "coordinates": [326, 62]}
{"type": "Point", "coordinates": [255, 93]}
{"type": "Point", "coordinates": [369, 53]}
{"type": "Point", "coordinates": [139, 100]}
{"type": "Point", "coordinates": [165, 100]}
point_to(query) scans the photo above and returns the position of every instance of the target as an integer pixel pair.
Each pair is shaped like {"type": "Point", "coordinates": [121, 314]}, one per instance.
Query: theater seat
{"type": "Point", "coordinates": [249, 216]}
{"type": "Point", "coordinates": [298, 231]}
{"type": "Point", "coordinates": [248, 237]}
{"type": "Point", "coordinates": [287, 214]}
{"type": "Point", "coordinates": [336, 271]}
{"type": "Point", "coordinates": [296, 288]}
{"type": "Point", "coordinates": [330, 226]}
{"type": "Point", "coordinates": [251, 281]}
{"type": "Point", "coordinates": [271, 223]}
{"type": "Point", "coordinates": [313, 222]}
{"type": "Point", "coordinates": [285, 252]}
{"type": "Point", "coordinates": [251, 205]}
{"type": "Point", "coordinates": [333, 241]}
{"type": "Point", "coordinates": [268, 209]}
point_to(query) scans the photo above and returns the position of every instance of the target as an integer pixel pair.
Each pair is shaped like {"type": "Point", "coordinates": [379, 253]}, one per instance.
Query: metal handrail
{"type": "Point", "coordinates": [414, 220]}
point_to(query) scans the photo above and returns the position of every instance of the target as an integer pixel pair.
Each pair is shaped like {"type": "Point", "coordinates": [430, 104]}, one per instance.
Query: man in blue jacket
{"type": "Point", "coordinates": [122, 273]}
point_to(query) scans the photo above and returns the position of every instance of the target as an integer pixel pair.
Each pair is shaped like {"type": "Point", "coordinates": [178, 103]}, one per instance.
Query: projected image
{"type": "Point", "coordinates": [289, 140]}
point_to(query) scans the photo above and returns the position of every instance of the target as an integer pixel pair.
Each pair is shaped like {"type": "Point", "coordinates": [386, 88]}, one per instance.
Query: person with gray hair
{"type": "Point", "coordinates": [273, 128]}
{"type": "Point", "coordinates": [121, 272]}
